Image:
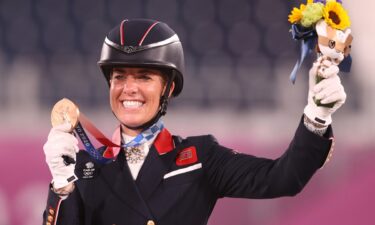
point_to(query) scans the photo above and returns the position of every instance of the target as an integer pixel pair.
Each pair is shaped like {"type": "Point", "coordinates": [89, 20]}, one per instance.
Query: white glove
{"type": "Point", "coordinates": [329, 90]}
{"type": "Point", "coordinates": [61, 144]}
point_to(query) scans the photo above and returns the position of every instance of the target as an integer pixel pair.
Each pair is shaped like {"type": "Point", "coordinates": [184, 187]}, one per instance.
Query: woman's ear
{"type": "Point", "coordinates": [171, 90]}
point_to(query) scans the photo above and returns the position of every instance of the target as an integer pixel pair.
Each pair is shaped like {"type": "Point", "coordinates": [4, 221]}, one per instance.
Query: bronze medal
{"type": "Point", "coordinates": [65, 111]}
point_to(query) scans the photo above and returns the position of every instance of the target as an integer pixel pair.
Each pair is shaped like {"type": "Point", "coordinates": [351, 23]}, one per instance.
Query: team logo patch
{"type": "Point", "coordinates": [187, 156]}
{"type": "Point", "coordinates": [88, 171]}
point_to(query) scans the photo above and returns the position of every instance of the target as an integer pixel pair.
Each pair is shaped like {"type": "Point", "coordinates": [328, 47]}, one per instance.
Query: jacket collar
{"type": "Point", "coordinates": [163, 143]}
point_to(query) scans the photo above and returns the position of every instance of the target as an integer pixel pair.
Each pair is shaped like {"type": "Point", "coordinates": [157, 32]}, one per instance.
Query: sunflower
{"type": "Point", "coordinates": [296, 14]}
{"type": "Point", "coordinates": [336, 16]}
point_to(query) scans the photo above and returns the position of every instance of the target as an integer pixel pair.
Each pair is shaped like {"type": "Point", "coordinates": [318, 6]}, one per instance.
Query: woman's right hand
{"type": "Point", "coordinates": [60, 151]}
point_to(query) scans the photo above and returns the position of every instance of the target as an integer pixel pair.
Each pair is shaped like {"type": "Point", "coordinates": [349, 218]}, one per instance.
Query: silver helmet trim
{"type": "Point", "coordinates": [132, 49]}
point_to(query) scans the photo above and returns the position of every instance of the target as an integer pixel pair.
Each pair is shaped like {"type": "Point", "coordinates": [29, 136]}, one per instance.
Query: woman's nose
{"type": "Point", "coordinates": [130, 86]}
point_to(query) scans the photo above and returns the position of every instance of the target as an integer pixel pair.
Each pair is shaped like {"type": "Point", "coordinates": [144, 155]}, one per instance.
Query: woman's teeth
{"type": "Point", "coordinates": [132, 104]}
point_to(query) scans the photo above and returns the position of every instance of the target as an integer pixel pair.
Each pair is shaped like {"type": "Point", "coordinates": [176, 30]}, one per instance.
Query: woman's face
{"type": "Point", "coordinates": [135, 95]}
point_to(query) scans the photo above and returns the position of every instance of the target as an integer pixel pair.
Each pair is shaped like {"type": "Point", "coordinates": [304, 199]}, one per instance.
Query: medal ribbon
{"type": "Point", "coordinates": [145, 135]}
{"type": "Point", "coordinates": [98, 155]}
{"type": "Point", "coordinates": [93, 152]}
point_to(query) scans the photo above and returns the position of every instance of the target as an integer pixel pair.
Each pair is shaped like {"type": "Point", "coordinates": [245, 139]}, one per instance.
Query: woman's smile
{"type": "Point", "coordinates": [135, 94]}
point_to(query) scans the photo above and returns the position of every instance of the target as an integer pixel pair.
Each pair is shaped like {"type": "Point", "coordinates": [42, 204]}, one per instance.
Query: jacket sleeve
{"type": "Point", "coordinates": [234, 174]}
{"type": "Point", "coordinates": [61, 211]}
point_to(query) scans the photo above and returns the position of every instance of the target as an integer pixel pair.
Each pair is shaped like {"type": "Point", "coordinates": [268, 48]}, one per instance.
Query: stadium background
{"type": "Point", "coordinates": [238, 54]}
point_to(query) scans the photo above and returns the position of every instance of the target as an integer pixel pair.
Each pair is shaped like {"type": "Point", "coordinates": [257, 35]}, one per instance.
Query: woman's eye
{"type": "Point", "coordinates": [144, 77]}
{"type": "Point", "coordinates": [118, 77]}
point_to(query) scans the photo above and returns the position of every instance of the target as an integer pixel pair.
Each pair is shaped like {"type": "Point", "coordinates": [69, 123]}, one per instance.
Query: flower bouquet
{"type": "Point", "coordinates": [322, 25]}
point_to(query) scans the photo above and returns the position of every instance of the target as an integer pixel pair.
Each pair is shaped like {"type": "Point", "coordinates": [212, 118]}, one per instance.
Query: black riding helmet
{"type": "Point", "coordinates": [145, 43]}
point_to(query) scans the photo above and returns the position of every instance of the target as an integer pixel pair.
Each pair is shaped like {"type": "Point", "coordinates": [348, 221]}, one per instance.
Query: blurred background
{"type": "Point", "coordinates": [239, 55]}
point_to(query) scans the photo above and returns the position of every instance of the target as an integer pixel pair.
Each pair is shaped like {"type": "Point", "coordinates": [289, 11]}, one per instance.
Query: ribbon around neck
{"type": "Point", "coordinates": [145, 135]}
{"type": "Point", "coordinates": [102, 155]}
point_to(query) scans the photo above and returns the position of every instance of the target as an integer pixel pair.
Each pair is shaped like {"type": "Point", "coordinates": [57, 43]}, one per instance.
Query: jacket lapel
{"type": "Point", "coordinates": [134, 193]}
{"type": "Point", "coordinates": [158, 162]}
{"type": "Point", "coordinates": [118, 176]}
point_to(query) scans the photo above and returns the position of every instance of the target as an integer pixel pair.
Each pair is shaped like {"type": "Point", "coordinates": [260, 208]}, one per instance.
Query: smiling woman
{"type": "Point", "coordinates": [157, 177]}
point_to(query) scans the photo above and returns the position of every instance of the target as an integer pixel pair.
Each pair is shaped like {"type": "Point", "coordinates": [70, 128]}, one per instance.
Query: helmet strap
{"type": "Point", "coordinates": [163, 105]}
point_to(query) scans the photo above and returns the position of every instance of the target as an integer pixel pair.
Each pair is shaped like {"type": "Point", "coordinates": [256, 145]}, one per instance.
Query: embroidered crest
{"type": "Point", "coordinates": [89, 165]}
{"type": "Point", "coordinates": [187, 156]}
{"type": "Point", "coordinates": [88, 171]}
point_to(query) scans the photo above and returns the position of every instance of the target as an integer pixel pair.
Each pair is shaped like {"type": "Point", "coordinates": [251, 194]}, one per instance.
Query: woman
{"type": "Point", "coordinates": [159, 178]}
